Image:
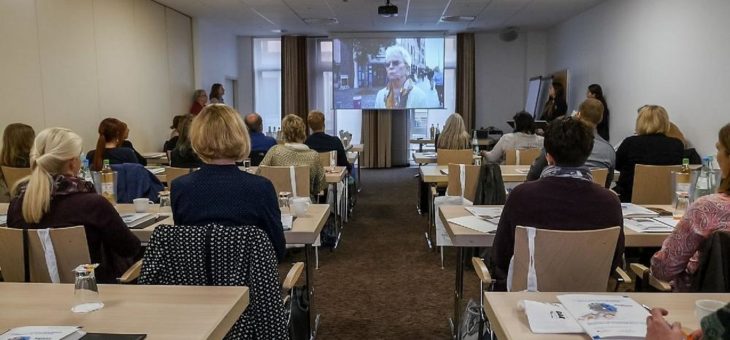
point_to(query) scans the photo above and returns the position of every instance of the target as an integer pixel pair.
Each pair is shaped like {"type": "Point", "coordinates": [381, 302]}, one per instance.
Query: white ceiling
{"type": "Point", "coordinates": [260, 17]}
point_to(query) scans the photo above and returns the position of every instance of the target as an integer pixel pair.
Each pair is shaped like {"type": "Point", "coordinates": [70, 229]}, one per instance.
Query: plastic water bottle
{"type": "Point", "coordinates": [704, 185]}
{"type": "Point", "coordinates": [85, 171]}
{"type": "Point", "coordinates": [475, 143]}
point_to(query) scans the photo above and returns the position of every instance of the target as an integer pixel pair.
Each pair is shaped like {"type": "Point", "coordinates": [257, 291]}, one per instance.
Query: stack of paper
{"type": "Point", "coordinates": [156, 170]}
{"type": "Point", "coordinates": [632, 210]}
{"type": "Point", "coordinates": [475, 223]}
{"type": "Point", "coordinates": [648, 225]}
{"type": "Point", "coordinates": [43, 332]}
{"type": "Point", "coordinates": [485, 212]}
{"type": "Point", "coordinates": [134, 220]}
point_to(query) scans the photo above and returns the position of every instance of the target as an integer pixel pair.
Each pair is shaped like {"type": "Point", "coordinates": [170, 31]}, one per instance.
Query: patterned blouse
{"type": "Point", "coordinates": [298, 154]}
{"type": "Point", "coordinates": [678, 259]}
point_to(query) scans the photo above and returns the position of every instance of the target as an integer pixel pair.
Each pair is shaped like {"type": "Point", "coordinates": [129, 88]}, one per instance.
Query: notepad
{"type": "Point", "coordinates": [648, 225]}
{"type": "Point", "coordinates": [545, 318]}
{"type": "Point", "coordinates": [632, 210]}
{"type": "Point", "coordinates": [135, 220]}
{"type": "Point", "coordinates": [486, 212]}
{"type": "Point", "coordinates": [44, 333]}
{"type": "Point", "coordinates": [607, 316]}
{"type": "Point", "coordinates": [156, 170]}
{"type": "Point", "coordinates": [475, 223]}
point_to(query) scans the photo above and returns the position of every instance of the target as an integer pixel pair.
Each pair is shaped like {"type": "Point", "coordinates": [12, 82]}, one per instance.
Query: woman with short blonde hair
{"type": "Point", "coordinates": [218, 132]}
{"type": "Point", "coordinates": [650, 146]}
{"type": "Point", "coordinates": [652, 119]}
{"type": "Point", "coordinates": [220, 192]}
{"type": "Point", "coordinates": [54, 197]}
{"type": "Point", "coordinates": [454, 135]}
{"type": "Point", "coordinates": [294, 152]}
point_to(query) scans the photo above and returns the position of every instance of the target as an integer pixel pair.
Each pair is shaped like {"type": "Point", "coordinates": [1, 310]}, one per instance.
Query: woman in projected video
{"type": "Point", "coordinates": [400, 92]}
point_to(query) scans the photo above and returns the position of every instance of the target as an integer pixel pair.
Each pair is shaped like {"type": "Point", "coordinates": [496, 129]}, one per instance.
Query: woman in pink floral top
{"type": "Point", "coordinates": [677, 261]}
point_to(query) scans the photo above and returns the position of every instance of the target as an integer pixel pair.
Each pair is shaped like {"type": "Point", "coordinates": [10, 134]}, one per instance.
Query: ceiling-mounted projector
{"type": "Point", "coordinates": [388, 10]}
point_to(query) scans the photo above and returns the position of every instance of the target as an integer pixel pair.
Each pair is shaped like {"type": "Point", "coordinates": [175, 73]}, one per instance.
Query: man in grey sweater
{"type": "Point", "coordinates": [603, 155]}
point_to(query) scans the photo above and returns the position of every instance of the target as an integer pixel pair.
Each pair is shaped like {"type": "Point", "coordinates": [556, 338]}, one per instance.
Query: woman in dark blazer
{"type": "Point", "coordinates": [649, 146]}
{"type": "Point", "coordinates": [556, 105]}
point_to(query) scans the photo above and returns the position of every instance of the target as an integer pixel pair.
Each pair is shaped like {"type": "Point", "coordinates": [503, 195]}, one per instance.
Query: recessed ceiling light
{"type": "Point", "coordinates": [278, 31]}
{"type": "Point", "coordinates": [458, 18]}
{"type": "Point", "coordinates": [320, 21]}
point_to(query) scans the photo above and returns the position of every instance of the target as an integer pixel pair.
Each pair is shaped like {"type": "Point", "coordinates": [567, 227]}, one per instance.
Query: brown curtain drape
{"type": "Point", "coordinates": [376, 138]}
{"type": "Point", "coordinates": [294, 97]}
{"type": "Point", "coordinates": [465, 83]}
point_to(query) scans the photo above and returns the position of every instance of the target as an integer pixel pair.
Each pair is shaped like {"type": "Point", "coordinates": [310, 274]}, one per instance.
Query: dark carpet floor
{"type": "Point", "coordinates": [382, 282]}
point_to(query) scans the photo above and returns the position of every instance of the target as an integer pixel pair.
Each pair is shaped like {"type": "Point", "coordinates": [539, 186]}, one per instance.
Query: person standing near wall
{"type": "Point", "coordinates": [556, 105]}
{"type": "Point", "coordinates": [216, 94]}
{"type": "Point", "coordinates": [596, 92]}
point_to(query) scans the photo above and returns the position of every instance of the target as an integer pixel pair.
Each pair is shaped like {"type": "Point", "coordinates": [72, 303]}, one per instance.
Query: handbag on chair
{"type": "Point", "coordinates": [298, 307]}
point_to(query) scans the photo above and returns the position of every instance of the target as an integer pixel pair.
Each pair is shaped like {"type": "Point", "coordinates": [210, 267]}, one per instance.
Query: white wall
{"type": "Point", "coordinates": [667, 52]}
{"type": "Point", "coordinates": [217, 53]}
{"type": "Point", "coordinates": [73, 63]}
{"type": "Point", "coordinates": [502, 73]}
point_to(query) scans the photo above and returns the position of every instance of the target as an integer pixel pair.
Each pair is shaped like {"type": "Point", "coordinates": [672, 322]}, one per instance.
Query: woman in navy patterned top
{"type": "Point", "coordinates": [219, 192]}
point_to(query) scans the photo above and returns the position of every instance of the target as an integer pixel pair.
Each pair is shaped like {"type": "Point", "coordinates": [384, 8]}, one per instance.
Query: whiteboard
{"type": "Point", "coordinates": [533, 94]}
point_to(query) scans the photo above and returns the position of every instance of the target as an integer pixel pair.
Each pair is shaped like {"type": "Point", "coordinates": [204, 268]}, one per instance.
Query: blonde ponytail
{"type": "Point", "coordinates": [52, 149]}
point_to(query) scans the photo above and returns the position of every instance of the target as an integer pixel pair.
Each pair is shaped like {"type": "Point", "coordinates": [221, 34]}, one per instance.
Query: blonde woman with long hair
{"type": "Point", "coordinates": [454, 135]}
{"type": "Point", "coordinates": [53, 197]}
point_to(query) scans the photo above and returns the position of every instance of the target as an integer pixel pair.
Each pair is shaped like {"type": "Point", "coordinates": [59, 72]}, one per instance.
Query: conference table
{"type": "Point", "coordinates": [358, 149]}
{"type": "Point", "coordinates": [422, 158]}
{"type": "Point", "coordinates": [161, 312]}
{"type": "Point", "coordinates": [508, 322]}
{"type": "Point", "coordinates": [305, 230]}
{"type": "Point", "coordinates": [462, 237]}
{"type": "Point", "coordinates": [421, 142]}
{"type": "Point", "coordinates": [156, 158]}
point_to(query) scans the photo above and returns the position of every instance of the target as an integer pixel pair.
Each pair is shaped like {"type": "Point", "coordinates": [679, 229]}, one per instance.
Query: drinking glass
{"type": "Point", "coordinates": [86, 293]}
{"type": "Point", "coordinates": [165, 203]}
{"type": "Point", "coordinates": [247, 165]}
{"type": "Point", "coordinates": [284, 197]}
{"type": "Point", "coordinates": [680, 206]}
{"type": "Point", "coordinates": [333, 160]}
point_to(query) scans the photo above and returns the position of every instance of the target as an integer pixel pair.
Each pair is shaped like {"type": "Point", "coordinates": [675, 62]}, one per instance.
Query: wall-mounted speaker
{"type": "Point", "coordinates": [509, 34]}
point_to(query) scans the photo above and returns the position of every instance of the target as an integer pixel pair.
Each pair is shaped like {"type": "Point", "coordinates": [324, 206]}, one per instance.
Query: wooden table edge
{"type": "Point", "coordinates": [226, 324]}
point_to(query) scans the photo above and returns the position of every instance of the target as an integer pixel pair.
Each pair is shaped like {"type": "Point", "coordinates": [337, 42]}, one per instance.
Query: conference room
{"type": "Point", "coordinates": [385, 169]}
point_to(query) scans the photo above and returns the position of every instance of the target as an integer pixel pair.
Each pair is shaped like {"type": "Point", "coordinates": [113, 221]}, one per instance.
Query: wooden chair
{"type": "Point", "coordinates": [324, 158]}
{"type": "Point", "coordinates": [470, 182]}
{"type": "Point", "coordinates": [445, 156]}
{"type": "Point", "coordinates": [561, 263]}
{"type": "Point", "coordinates": [172, 173]}
{"type": "Point", "coordinates": [69, 245]}
{"type": "Point", "coordinates": [281, 178]}
{"type": "Point", "coordinates": [653, 184]}
{"type": "Point", "coordinates": [521, 156]}
{"type": "Point", "coordinates": [599, 176]}
{"type": "Point", "coordinates": [645, 280]}
{"type": "Point", "coordinates": [13, 175]}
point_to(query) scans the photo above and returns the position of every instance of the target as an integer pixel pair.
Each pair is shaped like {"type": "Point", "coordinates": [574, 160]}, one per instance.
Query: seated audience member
{"type": "Point", "coordinates": [17, 141]}
{"type": "Point", "coordinates": [128, 144]}
{"type": "Point", "coordinates": [715, 326]}
{"type": "Point", "coordinates": [649, 146]}
{"type": "Point", "coordinates": [200, 99]}
{"type": "Point", "coordinates": [259, 141]}
{"type": "Point", "coordinates": [602, 155]}
{"type": "Point", "coordinates": [523, 137]}
{"type": "Point", "coordinates": [219, 192]}
{"type": "Point", "coordinates": [295, 152]}
{"type": "Point", "coordinates": [678, 259]}
{"type": "Point", "coordinates": [183, 155]}
{"type": "Point", "coordinates": [109, 145]}
{"type": "Point", "coordinates": [322, 142]}
{"type": "Point", "coordinates": [564, 198]}
{"type": "Point", "coordinates": [454, 135]}
{"type": "Point", "coordinates": [53, 197]}
{"type": "Point", "coordinates": [174, 133]}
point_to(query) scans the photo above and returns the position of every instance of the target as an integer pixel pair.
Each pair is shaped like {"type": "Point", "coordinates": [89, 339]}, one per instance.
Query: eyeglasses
{"type": "Point", "coordinates": [392, 63]}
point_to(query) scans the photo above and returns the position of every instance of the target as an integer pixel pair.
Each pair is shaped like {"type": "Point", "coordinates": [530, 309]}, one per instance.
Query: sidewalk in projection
{"type": "Point", "coordinates": [367, 96]}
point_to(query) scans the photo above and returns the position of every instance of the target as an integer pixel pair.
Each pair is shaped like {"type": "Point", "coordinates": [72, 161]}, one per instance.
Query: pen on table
{"type": "Point", "coordinates": [686, 336]}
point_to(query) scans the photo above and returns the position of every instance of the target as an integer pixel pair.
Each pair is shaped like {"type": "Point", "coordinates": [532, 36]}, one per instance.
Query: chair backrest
{"type": "Point", "coordinates": [470, 181]}
{"type": "Point", "coordinates": [171, 173]}
{"type": "Point", "coordinates": [446, 156]}
{"type": "Point", "coordinates": [599, 176]}
{"type": "Point", "coordinates": [653, 184]}
{"type": "Point", "coordinates": [565, 261]}
{"type": "Point", "coordinates": [13, 175]}
{"type": "Point", "coordinates": [69, 246]}
{"type": "Point", "coordinates": [521, 156]}
{"type": "Point", "coordinates": [280, 176]}
{"type": "Point", "coordinates": [324, 158]}
{"type": "Point", "coordinates": [216, 255]}
{"type": "Point", "coordinates": [257, 157]}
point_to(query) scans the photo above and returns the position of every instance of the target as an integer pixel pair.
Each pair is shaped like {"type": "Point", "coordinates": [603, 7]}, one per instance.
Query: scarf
{"type": "Point", "coordinates": [581, 172]}
{"type": "Point", "coordinates": [398, 100]}
{"type": "Point", "coordinates": [64, 185]}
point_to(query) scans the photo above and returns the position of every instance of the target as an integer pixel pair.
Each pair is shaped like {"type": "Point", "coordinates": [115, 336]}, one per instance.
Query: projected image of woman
{"type": "Point", "coordinates": [400, 92]}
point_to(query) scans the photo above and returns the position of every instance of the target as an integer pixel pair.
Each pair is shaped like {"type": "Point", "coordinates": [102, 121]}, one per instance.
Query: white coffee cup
{"type": "Point", "coordinates": [704, 308]}
{"type": "Point", "coordinates": [299, 206]}
{"type": "Point", "coordinates": [141, 204]}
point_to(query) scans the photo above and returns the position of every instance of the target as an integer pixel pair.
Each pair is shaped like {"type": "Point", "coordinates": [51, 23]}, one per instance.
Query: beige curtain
{"type": "Point", "coordinates": [376, 138]}
{"type": "Point", "coordinates": [294, 98]}
{"type": "Point", "coordinates": [465, 92]}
